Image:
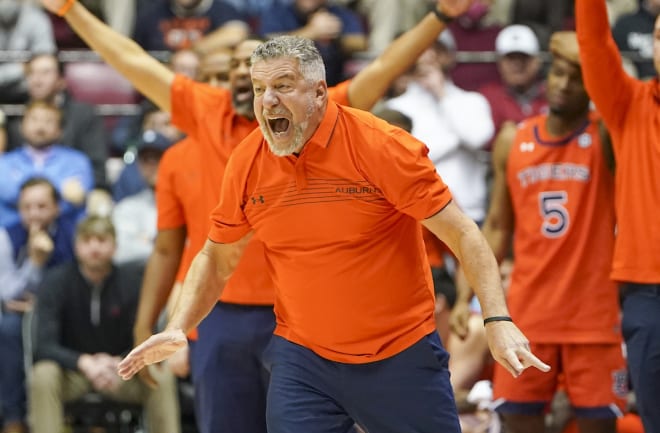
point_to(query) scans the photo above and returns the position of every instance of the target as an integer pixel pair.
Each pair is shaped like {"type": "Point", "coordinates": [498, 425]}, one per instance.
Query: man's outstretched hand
{"type": "Point", "coordinates": [510, 348]}
{"type": "Point", "coordinates": [155, 349]}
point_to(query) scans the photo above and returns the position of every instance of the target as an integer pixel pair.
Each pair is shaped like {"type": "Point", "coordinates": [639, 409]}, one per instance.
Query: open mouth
{"type": "Point", "coordinates": [243, 93]}
{"type": "Point", "coordinates": [278, 125]}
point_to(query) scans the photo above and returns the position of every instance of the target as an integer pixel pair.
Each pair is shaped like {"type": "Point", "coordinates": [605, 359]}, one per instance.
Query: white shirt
{"type": "Point", "coordinates": [455, 129]}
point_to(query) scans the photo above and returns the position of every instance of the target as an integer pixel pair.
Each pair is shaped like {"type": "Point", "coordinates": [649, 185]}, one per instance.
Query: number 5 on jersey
{"type": "Point", "coordinates": [555, 216]}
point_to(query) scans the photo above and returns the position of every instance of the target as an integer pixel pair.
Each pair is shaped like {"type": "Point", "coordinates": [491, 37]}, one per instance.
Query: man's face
{"type": "Point", "coordinates": [566, 94]}
{"type": "Point", "coordinates": [214, 69]}
{"type": "Point", "coordinates": [288, 108]}
{"type": "Point", "coordinates": [185, 62]}
{"type": "Point", "coordinates": [148, 161]}
{"type": "Point", "coordinates": [519, 70]}
{"type": "Point", "coordinates": [95, 251]}
{"type": "Point", "coordinates": [41, 126]}
{"type": "Point", "coordinates": [43, 78]}
{"type": "Point", "coordinates": [239, 77]}
{"type": "Point", "coordinates": [37, 206]}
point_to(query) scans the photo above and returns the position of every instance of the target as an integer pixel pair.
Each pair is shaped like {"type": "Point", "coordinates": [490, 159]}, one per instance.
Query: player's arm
{"type": "Point", "coordinates": [202, 286]}
{"type": "Point", "coordinates": [147, 74]}
{"type": "Point", "coordinates": [498, 226]}
{"type": "Point", "coordinates": [371, 83]}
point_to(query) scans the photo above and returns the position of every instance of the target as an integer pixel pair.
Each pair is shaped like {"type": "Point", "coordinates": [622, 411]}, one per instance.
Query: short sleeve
{"type": "Point", "coordinates": [398, 164]}
{"type": "Point", "coordinates": [228, 220]}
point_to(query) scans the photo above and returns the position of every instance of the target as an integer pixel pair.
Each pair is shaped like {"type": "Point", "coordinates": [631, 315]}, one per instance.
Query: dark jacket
{"type": "Point", "coordinates": [73, 318]}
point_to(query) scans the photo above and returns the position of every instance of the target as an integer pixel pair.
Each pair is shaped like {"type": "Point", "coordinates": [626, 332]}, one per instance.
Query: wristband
{"type": "Point", "coordinates": [497, 319]}
{"type": "Point", "coordinates": [442, 16]}
{"type": "Point", "coordinates": [65, 8]}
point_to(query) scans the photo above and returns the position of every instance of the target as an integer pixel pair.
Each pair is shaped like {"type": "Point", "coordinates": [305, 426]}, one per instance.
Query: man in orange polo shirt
{"type": "Point", "coordinates": [336, 195]}
{"type": "Point", "coordinates": [217, 120]}
{"type": "Point", "coordinates": [631, 109]}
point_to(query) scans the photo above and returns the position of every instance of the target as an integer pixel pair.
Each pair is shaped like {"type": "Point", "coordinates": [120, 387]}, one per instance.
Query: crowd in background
{"type": "Point", "coordinates": [77, 182]}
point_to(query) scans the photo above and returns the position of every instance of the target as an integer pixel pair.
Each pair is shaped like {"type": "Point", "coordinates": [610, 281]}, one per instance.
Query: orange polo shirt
{"type": "Point", "coordinates": [207, 115]}
{"type": "Point", "coordinates": [340, 224]}
{"type": "Point", "coordinates": [631, 110]}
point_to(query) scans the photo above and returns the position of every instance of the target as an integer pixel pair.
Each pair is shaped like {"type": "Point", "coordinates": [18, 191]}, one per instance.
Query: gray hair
{"type": "Point", "coordinates": [309, 59]}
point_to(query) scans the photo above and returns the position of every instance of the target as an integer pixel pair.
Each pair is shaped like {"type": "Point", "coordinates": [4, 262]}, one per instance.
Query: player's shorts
{"type": "Point", "coordinates": [594, 378]}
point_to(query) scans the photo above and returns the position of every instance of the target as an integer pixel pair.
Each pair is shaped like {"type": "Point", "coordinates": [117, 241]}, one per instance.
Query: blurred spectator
{"type": "Point", "coordinates": [203, 25]}
{"type": "Point", "coordinates": [214, 68]}
{"type": "Point", "coordinates": [85, 313]}
{"type": "Point", "coordinates": [544, 17]}
{"type": "Point", "coordinates": [185, 62]}
{"type": "Point", "coordinates": [438, 110]}
{"type": "Point", "coordinates": [68, 169]}
{"type": "Point", "coordinates": [634, 33]}
{"type": "Point", "coordinates": [41, 239]}
{"type": "Point", "coordinates": [252, 9]}
{"type": "Point", "coordinates": [519, 92]}
{"type": "Point", "coordinates": [386, 19]}
{"type": "Point", "coordinates": [23, 27]}
{"type": "Point", "coordinates": [473, 32]}
{"type": "Point", "coordinates": [134, 217]}
{"type": "Point", "coordinates": [130, 179]}
{"type": "Point", "coordinates": [336, 30]}
{"type": "Point", "coordinates": [616, 8]}
{"type": "Point", "coordinates": [82, 128]}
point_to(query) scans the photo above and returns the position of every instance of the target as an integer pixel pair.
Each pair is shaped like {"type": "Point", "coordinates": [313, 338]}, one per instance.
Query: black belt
{"type": "Point", "coordinates": [630, 288]}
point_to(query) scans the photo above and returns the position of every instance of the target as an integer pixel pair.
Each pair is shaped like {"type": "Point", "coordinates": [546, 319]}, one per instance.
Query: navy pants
{"type": "Point", "coordinates": [12, 370]}
{"type": "Point", "coordinates": [641, 330]}
{"type": "Point", "coordinates": [228, 371]}
{"type": "Point", "coordinates": [407, 393]}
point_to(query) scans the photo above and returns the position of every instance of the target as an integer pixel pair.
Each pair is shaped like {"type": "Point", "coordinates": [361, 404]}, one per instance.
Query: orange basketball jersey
{"type": "Point", "coordinates": [562, 198]}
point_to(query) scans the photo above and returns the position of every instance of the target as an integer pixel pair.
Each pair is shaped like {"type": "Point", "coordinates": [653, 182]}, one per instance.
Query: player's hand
{"type": "Point", "coordinates": [454, 8]}
{"type": "Point", "coordinates": [565, 44]}
{"type": "Point", "coordinates": [458, 319]}
{"type": "Point", "coordinates": [510, 348]}
{"type": "Point", "coordinates": [156, 348]}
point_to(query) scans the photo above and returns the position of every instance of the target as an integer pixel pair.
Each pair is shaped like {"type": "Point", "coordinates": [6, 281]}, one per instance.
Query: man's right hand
{"type": "Point", "coordinates": [155, 349]}
{"type": "Point", "coordinates": [140, 335]}
{"type": "Point", "coordinates": [40, 246]}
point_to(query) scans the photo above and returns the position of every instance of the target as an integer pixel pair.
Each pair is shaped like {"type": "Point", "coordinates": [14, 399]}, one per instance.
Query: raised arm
{"type": "Point", "coordinates": [147, 74]}
{"type": "Point", "coordinates": [607, 83]}
{"type": "Point", "coordinates": [371, 83]}
{"type": "Point", "coordinates": [202, 286]}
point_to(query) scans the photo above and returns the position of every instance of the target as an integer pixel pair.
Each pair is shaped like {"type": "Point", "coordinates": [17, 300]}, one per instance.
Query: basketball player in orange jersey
{"type": "Point", "coordinates": [552, 195]}
{"type": "Point", "coordinates": [631, 111]}
{"type": "Point", "coordinates": [230, 382]}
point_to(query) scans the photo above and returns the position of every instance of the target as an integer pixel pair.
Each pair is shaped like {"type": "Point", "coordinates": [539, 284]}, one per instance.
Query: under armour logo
{"type": "Point", "coordinates": [527, 146]}
{"type": "Point", "coordinates": [259, 199]}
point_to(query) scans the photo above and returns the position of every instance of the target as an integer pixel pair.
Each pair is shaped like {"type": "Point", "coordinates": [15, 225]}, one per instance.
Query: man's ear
{"type": "Point", "coordinates": [322, 90]}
